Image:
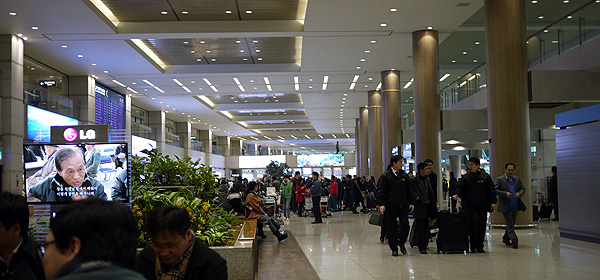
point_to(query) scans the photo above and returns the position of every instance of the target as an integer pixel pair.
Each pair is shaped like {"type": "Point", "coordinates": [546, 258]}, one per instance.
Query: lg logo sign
{"type": "Point", "coordinates": [71, 134]}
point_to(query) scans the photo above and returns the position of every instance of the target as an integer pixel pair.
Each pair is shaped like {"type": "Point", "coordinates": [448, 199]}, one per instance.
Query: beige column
{"type": "Point", "coordinates": [357, 145]}
{"type": "Point", "coordinates": [225, 143]}
{"type": "Point", "coordinates": [184, 131]}
{"type": "Point", "coordinates": [508, 105]}
{"type": "Point", "coordinates": [455, 166]}
{"type": "Point", "coordinates": [375, 153]}
{"type": "Point", "coordinates": [427, 101]}
{"type": "Point", "coordinates": [364, 141]}
{"type": "Point", "coordinates": [156, 121]}
{"type": "Point", "coordinates": [12, 110]}
{"type": "Point", "coordinates": [206, 139]}
{"type": "Point", "coordinates": [390, 114]}
{"type": "Point", "coordinates": [236, 147]}
{"type": "Point", "coordinates": [82, 89]}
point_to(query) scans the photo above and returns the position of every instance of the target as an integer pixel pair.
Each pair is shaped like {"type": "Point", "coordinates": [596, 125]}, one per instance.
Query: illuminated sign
{"type": "Point", "coordinates": [79, 134]}
{"type": "Point", "coordinates": [49, 83]}
{"type": "Point", "coordinates": [100, 90]}
{"type": "Point", "coordinates": [407, 151]}
{"type": "Point", "coordinates": [395, 151]}
{"type": "Point", "coordinates": [320, 160]}
{"type": "Point", "coordinates": [259, 161]}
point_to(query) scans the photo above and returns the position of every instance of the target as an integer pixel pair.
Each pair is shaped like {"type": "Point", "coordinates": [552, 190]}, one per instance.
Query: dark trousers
{"type": "Point", "coordinates": [422, 233]}
{"type": "Point", "coordinates": [383, 234]}
{"type": "Point", "coordinates": [317, 208]}
{"type": "Point", "coordinates": [391, 215]}
{"type": "Point", "coordinates": [509, 233]}
{"type": "Point", "coordinates": [272, 227]}
{"type": "Point", "coordinates": [300, 209]}
{"type": "Point", "coordinates": [477, 222]}
{"type": "Point", "coordinates": [555, 205]}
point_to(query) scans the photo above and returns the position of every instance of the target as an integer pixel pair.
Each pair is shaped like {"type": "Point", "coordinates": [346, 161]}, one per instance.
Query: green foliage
{"type": "Point", "coordinates": [276, 170]}
{"type": "Point", "coordinates": [210, 222]}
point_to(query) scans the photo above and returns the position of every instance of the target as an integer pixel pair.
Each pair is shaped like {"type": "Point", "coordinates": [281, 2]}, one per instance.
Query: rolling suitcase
{"type": "Point", "coordinates": [453, 234]}
{"type": "Point", "coordinates": [546, 211]}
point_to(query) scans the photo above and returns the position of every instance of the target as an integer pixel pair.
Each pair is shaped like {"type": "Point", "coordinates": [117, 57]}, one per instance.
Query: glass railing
{"type": "Point", "coordinates": [408, 119]}
{"type": "Point", "coordinates": [45, 99]}
{"type": "Point", "coordinates": [216, 150]}
{"type": "Point", "coordinates": [141, 130]}
{"type": "Point", "coordinates": [196, 145]}
{"type": "Point", "coordinates": [571, 31]}
{"type": "Point", "coordinates": [172, 139]}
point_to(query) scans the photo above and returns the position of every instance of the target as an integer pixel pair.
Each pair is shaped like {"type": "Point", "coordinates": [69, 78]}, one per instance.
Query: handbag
{"type": "Point", "coordinates": [361, 192]}
{"type": "Point", "coordinates": [376, 219]}
{"type": "Point", "coordinates": [247, 206]}
{"type": "Point", "coordinates": [232, 196]}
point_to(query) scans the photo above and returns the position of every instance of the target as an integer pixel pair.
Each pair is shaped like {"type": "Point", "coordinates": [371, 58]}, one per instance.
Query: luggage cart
{"type": "Point", "coordinates": [324, 204]}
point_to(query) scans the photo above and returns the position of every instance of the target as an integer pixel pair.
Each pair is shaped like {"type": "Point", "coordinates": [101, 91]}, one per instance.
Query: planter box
{"type": "Point", "coordinates": [242, 257]}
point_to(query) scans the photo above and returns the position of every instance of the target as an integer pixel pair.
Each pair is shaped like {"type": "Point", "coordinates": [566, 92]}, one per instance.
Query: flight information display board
{"type": "Point", "coordinates": [110, 107]}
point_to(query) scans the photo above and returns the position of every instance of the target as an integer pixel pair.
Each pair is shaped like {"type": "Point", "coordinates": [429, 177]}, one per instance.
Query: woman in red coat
{"type": "Point", "coordinates": [300, 197]}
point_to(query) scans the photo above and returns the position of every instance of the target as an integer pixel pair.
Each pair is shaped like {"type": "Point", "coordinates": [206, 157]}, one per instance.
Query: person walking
{"type": "Point", "coordinates": [425, 205]}
{"type": "Point", "coordinates": [333, 192]}
{"type": "Point", "coordinates": [553, 192]}
{"type": "Point", "coordinates": [395, 200]}
{"type": "Point", "coordinates": [509, 189]}
{"type": "Point", "coordinates": [477, 191]}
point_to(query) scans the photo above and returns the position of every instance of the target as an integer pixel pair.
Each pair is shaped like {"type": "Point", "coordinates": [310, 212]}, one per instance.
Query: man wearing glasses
{"type": "Point", "coordinates": [175, 253]}
{"type": "Point", "coordinates": [91, 239]}
{"type": "Point", "coordinates": [19, 254]}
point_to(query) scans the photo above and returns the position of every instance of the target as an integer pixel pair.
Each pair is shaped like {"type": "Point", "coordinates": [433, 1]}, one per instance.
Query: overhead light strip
{"type": "Point", "coordinates": [444, 77]}
{"type": "Point", "coordinates": [206, 100]}
{"type": "Point", "coordinates": [118, 83]}
{"type": "Point", "coordinates": [325, 81]}
{"type": "Point", "coordinates": [378, 86]}
{"type": "Point", "coordinates": [227, 114]}
{"type": "Point", "coordinates": [132, 90]}
{"type": "Point", "coordinates": [333, 135]}
{"type": "Point", "coordinates": [268, 83]}
{"type": "Point", "coordinates": [296, 84]}
{"type": "Point", "coordinates": [409, 83]}
{"type": "Point", "coordinates": [237, 81]}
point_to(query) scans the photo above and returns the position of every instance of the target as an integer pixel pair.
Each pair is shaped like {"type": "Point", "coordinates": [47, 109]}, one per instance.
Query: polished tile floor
{"type": "Point", "coordinates": [346, 246]}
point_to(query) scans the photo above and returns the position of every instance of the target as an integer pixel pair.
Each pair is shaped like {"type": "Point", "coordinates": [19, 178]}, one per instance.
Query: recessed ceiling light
{"type": "Point", "coordinates": [393, 10]}
{"type": "Point", "coordinates": [477, 43]}
{"type": "Point", "coordinates": [429, 27]}
{"type": "Point", "coordinates": [570, 17]}
{"type": "Point", "coordinates": [245, 59]}
{"type": "Point", "coordinates": [464, 52]}
{"type": "Point", "coordinates": [241, 50]}
{"type": "Point", "coordinates": [357, 67]}
{"type": "Point", "coordinates": [383, 24]}
{"type": "Point", "coordinates": [260, 58]}
{"type": "Point", "coordinates": [94, 64]}
{"type": "Point", "coordinates": [106, 71]}
{"type": "Point", "coordinates": [366, 86]}
{"type": "Point", "coordinates": [64, 46]}
{"type": "Point", "coordinates": [373, 41]}
{"type": "Point", "coordinates": [370, 78]}
{"type": "Point", "coordinates": [186, 42]}
{"type": "Point", "coordinates": [310, 87]}
{"type": "Point", "coordinates": [453, 61]}
{"type": "Point", "coordinates": [208, 51]}
{"type": "Point", "coordinates": [534, 2]}
{"type": "Point", "coordinates": [193, 51]}
{"type": "Point", "coordinates": [255, 41]}
{"type": "Point", "coordinates": [202, 42]}
{"type": "Point", "coordinates": [540, 17]}
{"type": "Point", "coordinates": [80, 55]}
{"type": "Point", "coordinates": [474, 60]}
{"type": "Point", "coordinates": [198, 59]}
{"type": "Point", "coordinates": [213, 59]}
{"type": "Point", "coordinates": [566, 1]}
{"type": "Point", "coordinates": [238, 42]}
{"type": "Point", "coordinates": [35, 28]}
{"type": "Point", "coordinates": [367, 51]}
{"type": "Point", "coordinates": [257, 51]}
{"type": "Point", "coordinates": [153, 98]}
{"type": "Point", "coordinates": [362, 60]}
{"type": "Point", "coordinates": [546, 31]}
{"type": "Point", "coordinates": [134, 83]}
{"type": "Point", "coordinates": [228, 12]}
{"type": "Point", "coordinates": [185, 12]}
{"type": "Point", "coordinates": [248, 11]}
{"type": "Point", "coordinates": [12, 13]}
{"type": "Point", "coordinates": [164, 12]}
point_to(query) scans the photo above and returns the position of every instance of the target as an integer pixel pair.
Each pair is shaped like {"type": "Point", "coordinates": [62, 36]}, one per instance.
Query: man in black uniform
{"type": "Point", "coordinates": [433, 177]}
{"type": "Point", "coordinates": [395, 199]}
{"type": "Point", "coordinates": [476, 189]}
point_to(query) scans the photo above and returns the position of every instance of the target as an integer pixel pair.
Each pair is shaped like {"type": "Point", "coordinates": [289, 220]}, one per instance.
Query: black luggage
{"type": "Point", "coordinates": [453, 234]}
{"type": "Point", "coordinates": [536, 213]}
{"type": "Point", "coordinates": [546, 211]}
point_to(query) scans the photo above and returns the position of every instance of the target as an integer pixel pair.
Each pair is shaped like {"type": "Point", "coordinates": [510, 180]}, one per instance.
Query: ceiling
{"type": "Point", "coordinates": [255, 68]}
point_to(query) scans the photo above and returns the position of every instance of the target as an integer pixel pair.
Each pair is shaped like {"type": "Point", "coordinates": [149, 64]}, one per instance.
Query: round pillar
{"type": "Point", "coordinates": [364, 141]}
{"type": "Point", "coordinates": [391, 118]}
{"type": "Point", "coordinates": [375, 154]}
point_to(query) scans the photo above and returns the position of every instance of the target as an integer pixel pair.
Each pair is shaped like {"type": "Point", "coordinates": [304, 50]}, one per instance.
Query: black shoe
{"type": "Point", "coordinates": [382, 239]}
{"type": "Point", "coordinates": [473, 250]}
{"type": "Point", "coordinates": [555, 219]}
{"type": "Point", "coordinates": [403, 249]}
{"type": "Point", "coordinates": [354, 212]}
{"type": "Point", "coordinates": [507, 242]}
{"type": "Point", "coordinates": [480, 250]}
{"type": "Point", "coordinates": [423, 251]}
{"type": "Point", "coordinates": [315, 222]}
{"type": "Point", "coordinates": [282, 237]}
{"type": "Point", "coordinates": [395, 253]}
{"type": "Point", "coordinates": [515, 245]}
{"type": "Point", "coordinates": [262, 236]}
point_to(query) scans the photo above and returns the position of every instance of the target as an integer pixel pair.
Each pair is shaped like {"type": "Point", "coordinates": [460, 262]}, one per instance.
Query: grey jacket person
{"type": "Point", "coordinates": [92, 162]}
{"type": "Point", "coordinates": [47, 170]}
{"type": "Point", "coordinates": [315, 189]}
{"type": "Point", "coordinates": [501, 190]}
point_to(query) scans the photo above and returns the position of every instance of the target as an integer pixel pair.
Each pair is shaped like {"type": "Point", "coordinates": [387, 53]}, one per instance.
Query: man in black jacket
{"type": "Point", "coordinates": [433, 177]}
{"type": "Point", "coordinates": [178, 254]}
{"type": "Point", "coordinates": [20, 257]}
{"type": "Point", "coordinates": [395, 199]}
{"type": "Point", "coordinates": [452, 188]}
{"type": "Point", "coordinates": [477, 191]}
{"type": "Point", "coordinates": [425, 205]}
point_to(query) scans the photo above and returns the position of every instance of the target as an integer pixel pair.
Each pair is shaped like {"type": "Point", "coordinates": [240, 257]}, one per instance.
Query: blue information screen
{"type": "Point", "coordinates": [110, 107]}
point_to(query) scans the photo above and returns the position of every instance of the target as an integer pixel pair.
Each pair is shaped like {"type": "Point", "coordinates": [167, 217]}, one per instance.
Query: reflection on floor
{"type": "Point", "coordinates": [346, 246]}
{"type": "Point", "coordinates": [283, 260]}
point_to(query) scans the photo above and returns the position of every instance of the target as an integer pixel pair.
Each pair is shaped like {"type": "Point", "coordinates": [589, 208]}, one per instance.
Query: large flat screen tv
{"type": "Point", "coordinates": [39, 122]}
{"type": "Point", "coordinates": [98, 170]}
